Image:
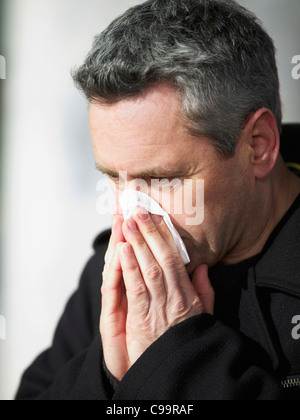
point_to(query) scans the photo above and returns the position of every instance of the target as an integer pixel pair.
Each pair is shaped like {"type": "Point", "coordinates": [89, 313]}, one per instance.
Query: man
{"type": "Point", "coordinates": [185, 90]}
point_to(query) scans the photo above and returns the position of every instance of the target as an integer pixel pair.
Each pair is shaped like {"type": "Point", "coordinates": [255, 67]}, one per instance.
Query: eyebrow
{"type": "Point", "coordinates": [148, 173]}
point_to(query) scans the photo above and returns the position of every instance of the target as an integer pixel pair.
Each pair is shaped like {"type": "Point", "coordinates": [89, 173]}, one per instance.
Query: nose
{"type": "Point", "coordinates": [135, 185]}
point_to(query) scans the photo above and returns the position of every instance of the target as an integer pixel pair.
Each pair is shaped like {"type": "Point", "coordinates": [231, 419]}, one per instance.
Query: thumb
{"type": "Point", "coordinates": [204, 288]}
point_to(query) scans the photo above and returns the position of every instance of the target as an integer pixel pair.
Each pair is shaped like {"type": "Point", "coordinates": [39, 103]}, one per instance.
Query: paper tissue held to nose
{"type": "Point", "coordinates": [131, 199]}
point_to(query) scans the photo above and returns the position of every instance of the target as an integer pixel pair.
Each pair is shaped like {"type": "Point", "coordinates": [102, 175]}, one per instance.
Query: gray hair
{"type": "Point", "coordinates": [215, 53]}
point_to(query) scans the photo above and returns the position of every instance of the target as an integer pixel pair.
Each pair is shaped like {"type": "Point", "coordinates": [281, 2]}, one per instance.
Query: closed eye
{"type": "Point", "coordinates": [114, 177]}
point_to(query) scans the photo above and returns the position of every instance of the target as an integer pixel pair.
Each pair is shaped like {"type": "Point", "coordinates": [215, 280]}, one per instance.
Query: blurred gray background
{"type": "Point", "coordinates": [48, 181]}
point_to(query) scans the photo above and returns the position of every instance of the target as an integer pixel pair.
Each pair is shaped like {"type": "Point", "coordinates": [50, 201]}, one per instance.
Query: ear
{"type": "Point", "coordinates": [264, 141]}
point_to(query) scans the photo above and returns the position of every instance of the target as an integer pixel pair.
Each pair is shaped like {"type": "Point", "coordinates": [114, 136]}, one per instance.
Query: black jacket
{"type": "Point", "coordinates": [249, 350]}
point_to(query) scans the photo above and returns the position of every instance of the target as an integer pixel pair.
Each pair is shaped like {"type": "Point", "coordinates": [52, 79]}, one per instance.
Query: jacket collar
{"type": "Point", "coordinates": [279, 267]}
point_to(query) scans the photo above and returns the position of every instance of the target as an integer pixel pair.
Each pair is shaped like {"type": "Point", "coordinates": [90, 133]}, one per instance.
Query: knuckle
{"type": "Point", "coordinates": [111, 251]}
{"type": "Point", "coordinates": [168, 259]}
{"type": "Point", "coordinates": [177, 304]}
{"type": "Point", "coordinates": [140, 241]}
{"type": "Point", "coordinates": [107, 272]}
{"type": "Point", "coordinates": [131, 269]}
{"type": "Point", "coordinates": [197, 303]}
{"type": "Point", "coordinates": [153, 272]}
{"type": "Point", "coordinates": [151, 229]}
{"type": "Point", "coordinates": [179, 262]}
{"type": "Point", "coordinates": [107, 289]}
{"type": "Point", "coordinates": [137, 289]}
{"type": "Point", "coordinates": [180, 305]}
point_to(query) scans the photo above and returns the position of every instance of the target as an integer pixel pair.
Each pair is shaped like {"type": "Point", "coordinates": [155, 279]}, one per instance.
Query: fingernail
{"type": "Point", "coordinates": [132, 225]}
{"type": "Point", "coordinates": [156, 219]}
{"type": "Point", "coordinates": [144, 215]}
{"type": "Point", "coordinates": [128, 250]}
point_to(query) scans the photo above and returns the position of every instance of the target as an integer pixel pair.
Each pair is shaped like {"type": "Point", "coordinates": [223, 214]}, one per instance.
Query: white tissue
{"type": "Point", "coordinates": [131, 199]}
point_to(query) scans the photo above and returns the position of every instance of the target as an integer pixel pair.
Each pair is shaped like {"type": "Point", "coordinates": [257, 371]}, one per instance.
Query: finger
{"type": "Point", "coordinates": [167, 236]}
{"type": "Point", "coordinates": [110, 249]}
{"type": "Point", "coordinates": [173, 269]}
{"type": "Point", "coordinates": [157, 235]}
{"type": "Point", "coordinates": [149, 267]}
{"type": "Point", "coordinates": [116, 237]}
{"type": "Point", "coordinates": [204, 288]}
{"type": "Point", "coordinates": [118, 233]}
{"type": "Point", "coordinates": [136, 289]}
{"type": "Point", "coordinates": [112, 284]}
{"type": "Point", "coordinates": [113, 319]}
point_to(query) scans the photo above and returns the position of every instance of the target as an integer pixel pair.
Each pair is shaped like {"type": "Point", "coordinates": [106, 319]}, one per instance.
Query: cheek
{"type": "Point", "coordinates": [168, 196]}
{"type": "Point", "coordinates": [185, 205]}
{"type": "Point", "coordinates": [184, 201]}
{"type": "Point", "coordinates": [225, 188]}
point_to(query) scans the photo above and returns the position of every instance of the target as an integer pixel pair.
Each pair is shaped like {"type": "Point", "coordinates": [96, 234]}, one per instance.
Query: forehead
{"type": "Point", "coordinates": [145, 131]}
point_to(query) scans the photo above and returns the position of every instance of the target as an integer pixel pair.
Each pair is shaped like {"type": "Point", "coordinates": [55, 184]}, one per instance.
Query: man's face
{"type": "Point", "coordinates": [145, 137]}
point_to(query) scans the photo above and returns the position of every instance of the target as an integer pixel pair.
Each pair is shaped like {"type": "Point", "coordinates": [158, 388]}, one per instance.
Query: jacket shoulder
{"type": "Point", "coordinates": [102, 240]}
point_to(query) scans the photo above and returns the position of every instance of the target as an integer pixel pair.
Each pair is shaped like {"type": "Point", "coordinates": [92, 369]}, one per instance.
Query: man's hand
{"type": "Point", "coordinates": [114, 306]}
{"type": "Point", "coordinates": [146, 291]}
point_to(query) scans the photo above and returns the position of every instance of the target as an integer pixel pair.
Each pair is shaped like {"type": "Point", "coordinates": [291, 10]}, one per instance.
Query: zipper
{"type": "Point", "coordinates": [290, 383]}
